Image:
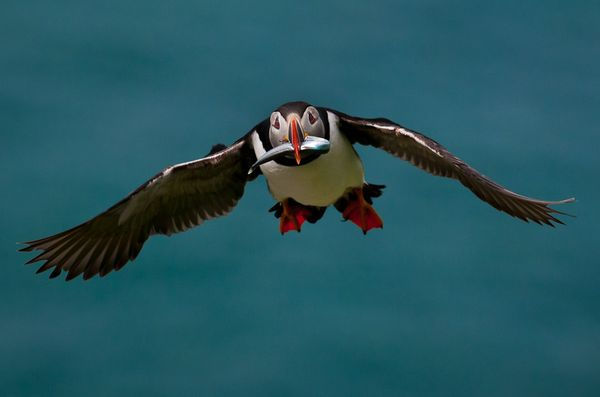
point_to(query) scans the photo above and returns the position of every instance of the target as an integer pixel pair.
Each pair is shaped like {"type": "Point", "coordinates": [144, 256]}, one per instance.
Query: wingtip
{"type": "Point", "coordinates": [56, 272]}
{"type": "Point", "coordinates": [71, 276]}
{"type": "Point", "coordinates": [27, 248]}
{"type": "Point", "coordinates": [88, 276]}
{"type": "Point", "coordinates": [549, 210]}
{"type": "Point", "coordinates": [566, 201]}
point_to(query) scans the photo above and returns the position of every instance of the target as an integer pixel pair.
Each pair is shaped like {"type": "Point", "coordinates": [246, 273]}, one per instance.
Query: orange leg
{"type": "Point", "coordinates": [360, 212]}
{"type": "Point", "coordinates": [292, 216]}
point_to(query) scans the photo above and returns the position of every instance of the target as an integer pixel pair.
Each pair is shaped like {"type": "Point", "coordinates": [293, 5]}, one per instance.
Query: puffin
{"type": "Point", "coordinates": [306, 154]}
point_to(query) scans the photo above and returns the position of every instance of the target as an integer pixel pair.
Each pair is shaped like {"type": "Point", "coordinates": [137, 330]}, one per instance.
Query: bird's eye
{"type": "Point", "coordinates": [312, 118]}
{"type": "Point", "coordinates": [276, 123]}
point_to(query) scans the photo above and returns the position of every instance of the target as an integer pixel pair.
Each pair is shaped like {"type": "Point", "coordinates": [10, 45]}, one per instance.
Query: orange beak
{"type": "Point", "coordinates": [296, 138]}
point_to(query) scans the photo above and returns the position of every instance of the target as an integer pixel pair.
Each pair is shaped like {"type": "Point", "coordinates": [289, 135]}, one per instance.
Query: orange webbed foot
{"type": "Point", "coordinates": [292, 216]}
{"type": "Point", "coordinates": [360, 212]}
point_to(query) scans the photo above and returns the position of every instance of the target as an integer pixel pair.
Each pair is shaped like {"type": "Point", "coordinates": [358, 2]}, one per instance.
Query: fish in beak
{"type": "Point", "coordinates": [309, 145]}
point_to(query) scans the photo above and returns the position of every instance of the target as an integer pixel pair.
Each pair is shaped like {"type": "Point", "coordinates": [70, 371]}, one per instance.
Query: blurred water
{"type": "Point", "coordinates": [451, 298]}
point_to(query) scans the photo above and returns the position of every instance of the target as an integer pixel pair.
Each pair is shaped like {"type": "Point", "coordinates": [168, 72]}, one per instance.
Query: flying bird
{"type": "Point", "coordinates": [307, 156]}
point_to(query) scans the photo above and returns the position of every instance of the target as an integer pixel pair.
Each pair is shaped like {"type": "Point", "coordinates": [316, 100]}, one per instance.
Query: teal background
{"type": "Point", "coordinates": [452, 298]}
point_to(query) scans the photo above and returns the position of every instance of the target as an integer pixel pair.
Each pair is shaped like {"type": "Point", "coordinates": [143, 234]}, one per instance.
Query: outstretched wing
{"type": "Point", "coordinates": [178, 198]}
{"type": "Point", "coordinates": [432, 157]}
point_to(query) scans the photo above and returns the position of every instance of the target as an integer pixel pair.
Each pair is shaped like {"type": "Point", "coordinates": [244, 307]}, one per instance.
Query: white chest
{"type": "Point", "coordinates": [322, 181]}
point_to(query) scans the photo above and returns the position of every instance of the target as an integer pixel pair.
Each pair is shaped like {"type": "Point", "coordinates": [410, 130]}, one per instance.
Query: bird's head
{"type": "Point", "coordinates": [298, 133]}
{"type": "Point", "coordinates": [293, 123]}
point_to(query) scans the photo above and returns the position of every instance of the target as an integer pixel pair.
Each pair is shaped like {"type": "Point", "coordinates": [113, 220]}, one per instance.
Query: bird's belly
{"type": "Point", "coordinates": [322, 181]}
{"type": "Point", "coordinates": [316, 183]}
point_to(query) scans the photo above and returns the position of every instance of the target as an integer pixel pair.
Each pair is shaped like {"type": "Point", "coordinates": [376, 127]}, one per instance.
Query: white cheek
{"type": "Point", "coordinates": [305, 124]}
{"type": "Point", "coordinates": [317, 129]}
{"type": "Point", "coordinates": [277, 137]}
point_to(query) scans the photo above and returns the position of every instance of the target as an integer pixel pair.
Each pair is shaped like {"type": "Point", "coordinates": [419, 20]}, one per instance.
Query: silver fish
{"type": "Point", "coordinates": [311, 144]}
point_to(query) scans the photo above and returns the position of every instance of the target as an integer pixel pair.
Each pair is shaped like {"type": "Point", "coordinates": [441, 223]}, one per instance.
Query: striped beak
{"type": "Point", "coordinates": [296, 137]}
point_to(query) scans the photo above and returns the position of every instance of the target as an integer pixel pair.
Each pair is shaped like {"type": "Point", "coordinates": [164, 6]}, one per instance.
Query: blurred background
{"type": "Point", "coordinates": [451, 298]}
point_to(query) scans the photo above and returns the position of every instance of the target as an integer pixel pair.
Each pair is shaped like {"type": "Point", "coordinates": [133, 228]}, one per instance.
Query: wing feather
{"type": "Point", "coordinates": [178, 198]}
{"type": "Point", "coordinates": [432, 157]}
